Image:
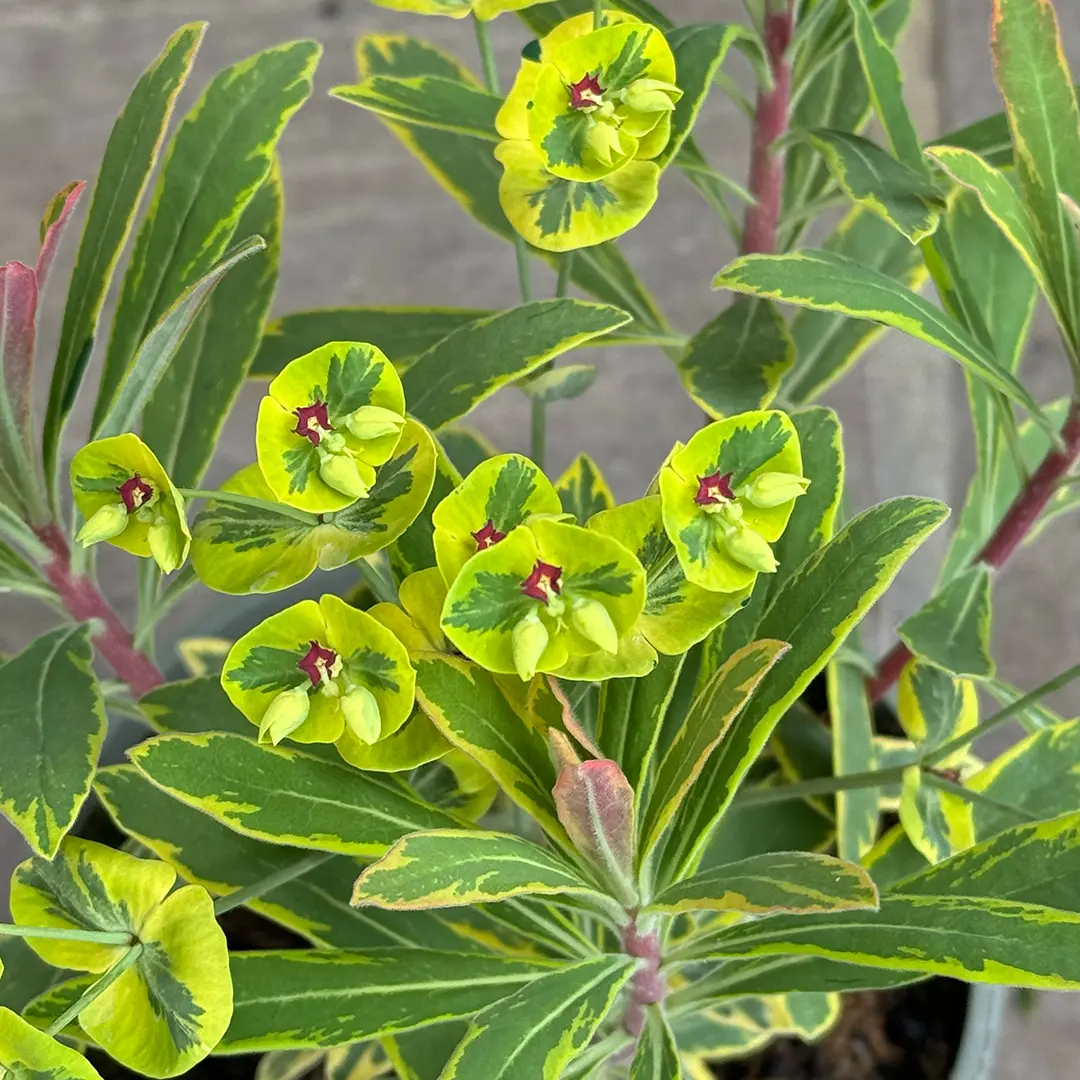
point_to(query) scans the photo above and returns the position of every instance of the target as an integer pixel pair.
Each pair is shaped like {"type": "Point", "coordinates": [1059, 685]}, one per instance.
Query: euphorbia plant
{"type": "Point", "coordinates": [550, 786]}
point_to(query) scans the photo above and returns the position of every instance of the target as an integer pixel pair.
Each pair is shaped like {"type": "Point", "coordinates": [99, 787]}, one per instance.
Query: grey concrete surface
{"type": "Point", "coordinates": [364, 224]}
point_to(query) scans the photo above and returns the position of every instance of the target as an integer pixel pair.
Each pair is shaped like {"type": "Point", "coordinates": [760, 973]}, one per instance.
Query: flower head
{"type": "Point", "coordinates": [551, 597]}
{"type": "Point", "coordinates": [727, 496]}
{"type": "Point", "coordinates": [319, 673]}
{"type": "Point", "coordinates": [328, 421]}
{"type": "Point", "coordinates": [459, 9]}
{"type": "Point", "coordinates": [127, 499]}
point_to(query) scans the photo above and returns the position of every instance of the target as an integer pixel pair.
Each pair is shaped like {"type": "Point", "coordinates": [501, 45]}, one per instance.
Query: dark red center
{"type": "Point", "coordinates": [135, 492]}
{"type": "Point", "coordinates": [714, 489]}
{"type": "Point", "coordinates": [488, 536]}
{"type": "Point", "coordinates": [544, 581]}
{"type": "Point", "coordinates": [316, 662]}
{"type": "Point", "coordinates": [312, 422]}
{"type": "Point", "coordinates": [585, 93]}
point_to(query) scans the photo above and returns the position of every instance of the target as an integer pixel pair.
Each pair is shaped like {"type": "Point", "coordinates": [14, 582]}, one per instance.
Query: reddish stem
{"type": "Point", "coordinates": [84, 602]}
{"type": "Point", "coordinates": [648, 986]}
{"type": "Point", "coordinates": [1008, 536]}
{"type": "Point", "coordinates": [770, 124]}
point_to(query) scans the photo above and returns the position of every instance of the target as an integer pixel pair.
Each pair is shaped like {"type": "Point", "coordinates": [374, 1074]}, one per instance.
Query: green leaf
{"type": "Point", "coordinates": [52, 724]}
{"type": "Point", "coordinates": [129, 160]}
{"type": "Point", "coordinates": [735, 362]}
{"type": "Point", "coordinates": [25, 974]}
{"type": "Point", "coordinates": [161, 346]}
{"type": "Point", "coordinates": [466, 447]}
{"type": "Point", "coordinates": [455, 868]}
{"type": "Point", "coordinates": [853, 752]}
{"type": "Point", "coordinates": [422, 1054]}
{"type": "Point", "coordinates": [269, 792]}
{"type": "Point", "coordinates": [709, 721]}
{"type": "Point", "coordinates": [934, 708]}
{"type": "Point", "coordinates": [953, 629]}
{"type": "Point", "coordinates": [792, 881]}
{"type": "Point", "coordinates": [815, 609]}
{"type": "Point", "coordinates": [193, 706]}
{"type": "Point", "coordinates": [296, 999]}
{"type": "Point", "coordinates": [899, 195]}
{"type": "Point", "coordinates": [314, 905]}
{"type": "Point", "coordinates": [560, 384]}
{"type": "Point", "coordinates": [938, 822]}
{"type": "Point", "coordinates": [1033, 76]}
{"type": "Point", "coordinates": [448, 104]}
{"type": "Point", "coordinates": [827, 343]}
{"type": "Point", "coordinates": [544, 17]}
{"type": "Point", "coordinates": [657, 1056]}
{"type": "Point", "coordinates": [186, 415]}
{"type": "Point", "coordinates": [829, 282]}
{"type": "Point", "coordinates": [583, 490]}
{"type": "Point", "coordinates": [465, 704]}
{"type": "Point", "coordinates": [219, 158]}
{"type": "Point", "coordinates": [541, 1028]}
{"type": "Point", "coordinates": [474, 361]}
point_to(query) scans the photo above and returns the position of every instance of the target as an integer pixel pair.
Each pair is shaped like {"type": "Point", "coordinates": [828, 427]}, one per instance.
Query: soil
{"type": "Point", "coordinates": [907, 1034]}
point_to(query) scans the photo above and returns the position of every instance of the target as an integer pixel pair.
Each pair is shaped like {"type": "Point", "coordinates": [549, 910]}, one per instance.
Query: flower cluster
{"type": "Point", "coordinates": [581, 127]}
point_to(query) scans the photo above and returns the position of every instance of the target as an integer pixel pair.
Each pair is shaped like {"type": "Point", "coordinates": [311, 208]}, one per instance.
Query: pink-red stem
{"type": "Point", "coordinates": [648, 986]}
{"type": "Point", "coordinates": [84, 602]}
{"type": "Point", "coordinates": [1008, 536]}
{"type": "Point", "coordinates": [770, 124]}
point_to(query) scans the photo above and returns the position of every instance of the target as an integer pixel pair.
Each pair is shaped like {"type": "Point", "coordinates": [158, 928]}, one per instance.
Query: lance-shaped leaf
{"type": "Point", "coordinates": [736, 362]}
{"type": "Point", "coordinates": [27, 1052]}
{"type": "Point", "coordinates": [904, 198]}
{"type": "Point", "coordinates": [934, 708]}
{"type": "Point", "coordinates": [219, 158]}
{"type": "Point", "coordinates": [456, 868]}
{"type": "Point", "coordinates": [938, 822]}
{"type": "Point", "coordinates": [596, 807]}
{"type": "Point", "coordinates": [130, 155]}
{"type": "Point", "coordinates": [448, 104]}
{"type": "Point", "coordinates": [793, 881]}
{"type": "Point", "coordinates": [471, 363]}
{"type": "Point", "coordinates": [465, 704]}
{"type": "Point", "coordinates": [563, 383]}
{"type": "Point", "coordinates": [657, 1055]}
{"type": "Point", "coordinates": [194, 705]}
{"type": "Point", "coordinates": [543, 18]}
{"type": "Point", "coordinates": [815, 610]}
{"type": "Point", "coordinates": [828, 343]}
{"type": "Point", "coordinates": [708, 722]}
{"type": "Point", "coordinates": [52, 724]}
{"type": "Point", "coordinates": [285, 797]}
{"type": "Point", "coordinates": [1044, 119]}
{"type": "Point", "coordinates": [245, 549]}
{"type": "Point", "coordinates": [122, 412]}
{"type": "Point", "coordinates": [829, 282]}
{"type": "Point", "coordinates": [540, 1029]}
{"type": "Point", "coordinates": [188, 410]}
{"type": "Point", "coordinates": [296, 999]}
{"type": "Point", "coordinates": [952, 630]}
{"type": "Point", "coordinates": [583, 490]}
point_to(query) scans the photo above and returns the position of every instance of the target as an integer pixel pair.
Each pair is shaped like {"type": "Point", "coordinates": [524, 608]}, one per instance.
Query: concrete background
{"type": "Point", "coordinates": [365, 225]}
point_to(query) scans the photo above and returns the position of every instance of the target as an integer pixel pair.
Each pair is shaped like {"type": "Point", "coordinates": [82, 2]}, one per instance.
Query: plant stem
{"type": "Point", "coordinates": [648, 986]}
{"type": "Point", "coordinates": [1018, 521]}
{"type": "Point", "coordinates": [60, 933]}
{"type": "Point", "coordinates": [271, 881]}
{"type": "Point", "coordinates": [487, 55]}
{"type": "Point", "coordinates": [538, 441]}
{"type": "Point", "coordinates": [253, 501]}
{"type": "Point", "coordinates": [95, 991]}
{"type": "Point", "coordinates": [598, 14]}
{"type": "Point", "coordinates": [384, 590]}
{"type": "Point", "coordinates": [824, 785]}
{"type": "Point", "coordinates": [770, 124]}
{"type": "Point", "coordinates": [85, 603]}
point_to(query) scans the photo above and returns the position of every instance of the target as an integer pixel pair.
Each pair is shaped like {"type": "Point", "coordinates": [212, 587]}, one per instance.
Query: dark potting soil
{"type": "Point", "coordinates": [908, 1034]}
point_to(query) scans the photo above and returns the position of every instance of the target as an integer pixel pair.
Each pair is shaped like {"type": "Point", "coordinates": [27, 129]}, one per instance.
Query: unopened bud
{"type": "Point", "coordinates": [166, 545]}
{"type": "Point", "coordinates": [751, 549]}
{"type": "Point", "coordinates": [530, 638]}
{"type": "Point", "coordinates": [651, 95]}
{"type": "Point", "coordinates": [373, 422]}
{"type": "Point", "coordinates": [286, 713]}
{"type": "Point", "coordinates": [340, 472]}
{"type": "Point", "coordinates": [362, 714]}
{"type": "Point", "coordinates": [111, 520]}
{"type": "Point", "coordinates": [774, 489]}
{"type": "Point", "coordinates": [603, 140]}
{"type": "Point", "coordinates": [591, 619]}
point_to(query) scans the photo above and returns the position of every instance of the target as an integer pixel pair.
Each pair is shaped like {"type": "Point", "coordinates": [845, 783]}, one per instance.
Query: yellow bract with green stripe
{"type": "Point", "coordinates": [29, 1054]}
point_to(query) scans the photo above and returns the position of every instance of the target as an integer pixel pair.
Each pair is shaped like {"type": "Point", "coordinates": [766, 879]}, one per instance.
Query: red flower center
{"type": "Point", "coordinates": [312, 422]}
{"type": "Point", "coordinates": [544, 582]}
{"type": "Point", "coordinates": [488, 536]}
{"type": "Point", "coordinates": [135, 492]}
{"type": "Point", "coordinates": [714, 489]}
{"type": "Point", "coordinates": [318, 663]}
{"type": "Point", "coordinates": [586, 93]}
